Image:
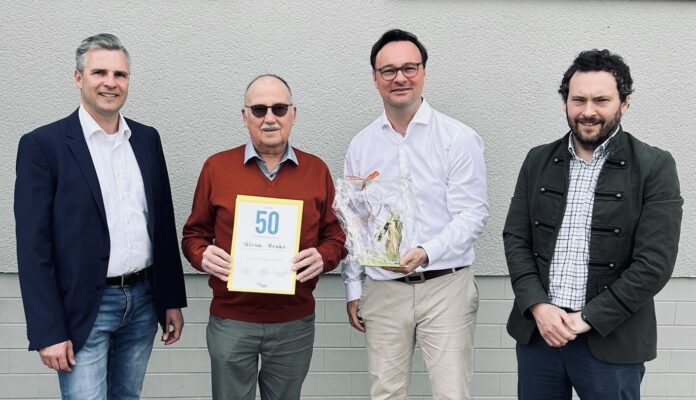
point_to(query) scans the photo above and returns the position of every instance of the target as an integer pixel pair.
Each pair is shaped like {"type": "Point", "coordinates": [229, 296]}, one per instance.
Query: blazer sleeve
{"type": "Point", "coordinates": [519, 252]}
{"type": "Point", "coordinates": [173, 292]}
{"type": "Point", "coordinates": [656, 241]}
{"type": "Point", "coordinates": [33, 204]}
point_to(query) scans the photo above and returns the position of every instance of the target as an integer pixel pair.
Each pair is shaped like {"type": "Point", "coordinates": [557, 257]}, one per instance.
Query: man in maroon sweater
{"type": "Point", "coordinates": [244, 326]}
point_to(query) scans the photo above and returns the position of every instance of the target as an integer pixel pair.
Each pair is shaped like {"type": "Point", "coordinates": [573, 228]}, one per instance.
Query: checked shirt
{"type": "Point", "coordinates": [568, 274]}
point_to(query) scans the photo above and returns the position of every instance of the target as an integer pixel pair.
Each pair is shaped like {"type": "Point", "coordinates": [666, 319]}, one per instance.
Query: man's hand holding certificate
{"type": "Point", "coordinates": [307, 264]}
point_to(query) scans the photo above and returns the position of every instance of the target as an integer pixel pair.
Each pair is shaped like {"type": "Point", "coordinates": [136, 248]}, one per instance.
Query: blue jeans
{"type": "Point", "coordinates": [113, 361]}
{"type": "Point", "coordinates": [551, 373]}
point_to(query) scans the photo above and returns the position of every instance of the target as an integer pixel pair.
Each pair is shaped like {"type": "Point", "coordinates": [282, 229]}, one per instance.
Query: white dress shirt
{"type": "Point", "coordinates": [123, 192]}
{"type": "Point", "coordinates": [444, 159]}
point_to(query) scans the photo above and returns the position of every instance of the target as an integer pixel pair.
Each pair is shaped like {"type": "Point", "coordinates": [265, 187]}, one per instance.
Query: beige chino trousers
{"type": "Point", "coordinates": [438, 314]}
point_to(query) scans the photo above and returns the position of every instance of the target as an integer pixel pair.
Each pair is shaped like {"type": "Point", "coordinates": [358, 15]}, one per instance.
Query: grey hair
{"type": "Point", "coordinates": [105, 41]}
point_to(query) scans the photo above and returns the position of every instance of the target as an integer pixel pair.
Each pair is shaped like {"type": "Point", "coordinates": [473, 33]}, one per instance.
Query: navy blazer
{"type": "Point", "coordinates": [63, 243]}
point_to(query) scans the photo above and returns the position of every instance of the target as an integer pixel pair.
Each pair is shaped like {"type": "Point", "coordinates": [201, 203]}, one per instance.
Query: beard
{"type": "Point", "coordinates": [606, 128]}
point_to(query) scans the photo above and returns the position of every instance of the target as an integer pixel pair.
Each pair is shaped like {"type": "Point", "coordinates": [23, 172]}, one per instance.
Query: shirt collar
{"type": "Point", "coordinates": [598, 152]}
{"type": "Point", "coordinates": [90, 126]}
{"type": "Point", "coordinates": [422, 116]}
{"type": "Point", "coordinates": [250, 152]}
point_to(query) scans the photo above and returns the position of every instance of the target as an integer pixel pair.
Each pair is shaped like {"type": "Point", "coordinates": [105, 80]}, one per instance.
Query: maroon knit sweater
{"type": "Point", "coordinates": [224, 176]}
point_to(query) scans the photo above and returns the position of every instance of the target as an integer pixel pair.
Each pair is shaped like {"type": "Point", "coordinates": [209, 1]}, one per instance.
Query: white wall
{"type": "Point", "coordinates": [495, 65]}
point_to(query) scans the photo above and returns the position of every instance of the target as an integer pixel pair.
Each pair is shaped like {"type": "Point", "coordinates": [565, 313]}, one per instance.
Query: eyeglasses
{"type": "Point", "coordinates": [260, 110]}
{"type": "Point", "coordinates": [409, 70]}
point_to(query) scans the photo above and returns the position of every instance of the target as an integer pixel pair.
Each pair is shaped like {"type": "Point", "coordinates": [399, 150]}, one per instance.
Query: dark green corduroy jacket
{"type": "Point", "coordinates": [636, 222]}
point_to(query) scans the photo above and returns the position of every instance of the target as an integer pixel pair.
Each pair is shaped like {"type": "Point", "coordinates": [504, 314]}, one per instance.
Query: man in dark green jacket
{"type": "Point", "coordinates": [590, 238]}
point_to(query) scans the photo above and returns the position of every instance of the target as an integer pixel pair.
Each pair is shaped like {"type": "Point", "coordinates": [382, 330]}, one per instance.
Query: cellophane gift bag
{"type": "Point", "coordinates": [378, 215]}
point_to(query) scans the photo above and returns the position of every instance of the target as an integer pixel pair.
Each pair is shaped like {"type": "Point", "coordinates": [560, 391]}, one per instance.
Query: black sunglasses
{"type": "Point", "coordinates": [260, 110]}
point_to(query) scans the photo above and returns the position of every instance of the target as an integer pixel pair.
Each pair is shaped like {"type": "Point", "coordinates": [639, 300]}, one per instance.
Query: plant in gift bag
{"type": "Point", "coordinates": [391, 235]}
{"type": "Point", "coordinates": [377, 214]}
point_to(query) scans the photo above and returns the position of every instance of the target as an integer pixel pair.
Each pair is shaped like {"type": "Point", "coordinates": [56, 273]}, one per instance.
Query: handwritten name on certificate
{"type": "Point", "coordinates": [265, 238]}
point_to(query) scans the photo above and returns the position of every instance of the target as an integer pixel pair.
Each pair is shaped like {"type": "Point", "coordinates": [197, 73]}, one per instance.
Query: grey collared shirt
{"type": "Point", "coordinates": [250, 152]}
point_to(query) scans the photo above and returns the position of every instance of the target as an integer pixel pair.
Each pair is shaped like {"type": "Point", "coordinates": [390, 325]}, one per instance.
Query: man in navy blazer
{"type": "Point", "coordinates": [97, 248]}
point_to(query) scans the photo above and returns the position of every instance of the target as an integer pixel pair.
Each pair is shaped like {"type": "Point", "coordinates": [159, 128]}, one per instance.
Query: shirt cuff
{"type": "Point", "coordinates": [433, 250]}
{"type": "Point", "coordinates": [425, 264]}
{"type": "Point", "coordinates": [353, 290]}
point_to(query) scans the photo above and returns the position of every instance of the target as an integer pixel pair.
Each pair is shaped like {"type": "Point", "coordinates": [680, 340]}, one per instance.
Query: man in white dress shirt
{"type": "Point", "coordinates": [432, 298]}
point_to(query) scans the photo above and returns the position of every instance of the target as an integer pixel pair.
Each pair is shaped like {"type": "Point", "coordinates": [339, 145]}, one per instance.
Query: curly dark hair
{"type": "Point", "coordinates": [600, 60]}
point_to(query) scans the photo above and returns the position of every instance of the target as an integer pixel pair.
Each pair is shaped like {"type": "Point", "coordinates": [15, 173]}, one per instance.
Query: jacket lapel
{"type": "Point", "coordinates": [78, 147]}
{"type": "Point", "coordinates": [141, 152]}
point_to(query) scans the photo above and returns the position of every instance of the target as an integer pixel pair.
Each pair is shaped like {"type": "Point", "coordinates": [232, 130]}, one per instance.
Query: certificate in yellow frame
{"type": "Point", "coordinates": [265, 237]}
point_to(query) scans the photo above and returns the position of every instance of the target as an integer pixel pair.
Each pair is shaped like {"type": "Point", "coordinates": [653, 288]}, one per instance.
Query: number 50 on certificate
{"type": "Point", "coordinates": [265, 238]}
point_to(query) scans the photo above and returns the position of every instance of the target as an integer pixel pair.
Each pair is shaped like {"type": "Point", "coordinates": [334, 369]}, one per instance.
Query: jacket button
{"type": "Point", "coordinates": [542, 190]}
{"type": "Point", "coordinates": [605, 287]}
{"type": "Point", "coordinates": [612, 265]}
{"type": "Point", "coordinates": [556, 160]}
{"type": "Point", "coordinates": [617, 231]}
{"type": "Point", "coordinates": [622, 163]}
{"type": "Point", "coordinates": [619, 195]}
{"type": "Point", "coordinates": [536, 223]}
{"type": "Point", "coordinates": [536, 254]}
{"type": "Point", "coordinates": [105, 258]}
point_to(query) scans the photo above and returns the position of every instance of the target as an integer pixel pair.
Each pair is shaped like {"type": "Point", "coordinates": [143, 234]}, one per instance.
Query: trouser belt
{"type": "Point", "coordinates": [130, 279]}
{"type": "Point", "coordinates": [421, 277]}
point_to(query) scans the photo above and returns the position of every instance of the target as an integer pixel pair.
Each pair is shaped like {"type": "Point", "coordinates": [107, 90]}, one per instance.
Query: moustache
{"type": "Point", "coordinates": [589, 120]}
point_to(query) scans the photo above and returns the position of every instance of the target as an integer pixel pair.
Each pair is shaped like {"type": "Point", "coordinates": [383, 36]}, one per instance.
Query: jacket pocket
{"type": "Point", "coordinates": [544, 225]}
{"type": "Point", "coordinates": [607, 230]}
{"type": "Point", "coordinates": [610, 196]}
{"type": "Point", "coordinates": [551, 191]}
{"type": "Point", "coordinates": [603, 265]}
{"type": "Point", "coordinates": [595, 286]}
